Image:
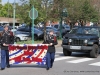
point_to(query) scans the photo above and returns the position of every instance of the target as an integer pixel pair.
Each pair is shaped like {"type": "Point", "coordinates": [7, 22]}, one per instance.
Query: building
{"type": "Point", "coordinates": [4, 20]}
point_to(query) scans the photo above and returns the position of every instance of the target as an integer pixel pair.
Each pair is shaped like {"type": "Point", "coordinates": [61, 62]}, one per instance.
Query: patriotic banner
{"type": "Point", "coordinates": [28, 54]}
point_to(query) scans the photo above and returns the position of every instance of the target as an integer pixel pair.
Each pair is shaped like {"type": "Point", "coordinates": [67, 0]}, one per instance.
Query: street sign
{"type": "Point", "coordinates": [33, 13]}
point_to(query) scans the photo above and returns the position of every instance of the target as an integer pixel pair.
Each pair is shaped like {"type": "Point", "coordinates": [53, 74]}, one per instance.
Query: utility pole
{"type": "Point", "coordinates": [14, 15]}
{"type": "Point", "coordinates": [32, 25]}
{"type": "Point", "coordinates": [45, 21]}
{"type": "Point", "coordinates": [8, 10]}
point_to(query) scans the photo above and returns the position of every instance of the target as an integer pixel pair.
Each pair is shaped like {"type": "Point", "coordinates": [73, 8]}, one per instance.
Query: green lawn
{"type": "Point", "coordinates": [29, 42]}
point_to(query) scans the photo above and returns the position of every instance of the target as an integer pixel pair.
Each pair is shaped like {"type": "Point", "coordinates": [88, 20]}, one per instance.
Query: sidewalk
{"type": "Point", "coordinates": [58, 45]}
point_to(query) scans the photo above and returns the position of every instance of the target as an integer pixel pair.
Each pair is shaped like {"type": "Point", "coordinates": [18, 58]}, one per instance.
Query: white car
{"type": "Point", "coordinates": [21, 37]}
{"type": "Point", "coordinates": [13, 30]}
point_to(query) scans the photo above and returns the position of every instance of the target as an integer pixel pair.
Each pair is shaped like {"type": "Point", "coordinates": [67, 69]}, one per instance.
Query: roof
{"type": "Point", "coordinates": [9, 20]}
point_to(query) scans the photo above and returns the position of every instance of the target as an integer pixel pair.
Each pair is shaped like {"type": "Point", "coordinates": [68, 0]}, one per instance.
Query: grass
{"type": "Point", "coordinates": [30, 42]}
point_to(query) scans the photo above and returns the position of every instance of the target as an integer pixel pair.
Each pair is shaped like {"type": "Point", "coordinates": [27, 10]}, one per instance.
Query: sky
{"type": "Point", "coordinates": [10, 1]}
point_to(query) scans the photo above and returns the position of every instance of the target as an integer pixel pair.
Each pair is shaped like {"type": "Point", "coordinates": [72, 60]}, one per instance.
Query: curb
{"type": "Point", "coordinates": [59, 43]}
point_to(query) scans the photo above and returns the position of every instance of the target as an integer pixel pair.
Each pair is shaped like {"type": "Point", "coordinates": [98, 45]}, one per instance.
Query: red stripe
{"type": "Point", "coordinates": [40, 53]}
{"type": "Point", "coordinates": [35, 59]}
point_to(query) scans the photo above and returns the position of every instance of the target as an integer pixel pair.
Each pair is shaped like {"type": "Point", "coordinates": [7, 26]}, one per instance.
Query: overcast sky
{"type": "Point", "coordinates": [11, 1]}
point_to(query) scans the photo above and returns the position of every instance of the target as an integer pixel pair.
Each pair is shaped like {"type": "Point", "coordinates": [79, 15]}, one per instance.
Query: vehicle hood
{"type": "Point", "coordinates": [21, 35]}
{"type": "Point", "coordinates": [81, 36]}
{"type": "Point", "coordinates": [40, 32]}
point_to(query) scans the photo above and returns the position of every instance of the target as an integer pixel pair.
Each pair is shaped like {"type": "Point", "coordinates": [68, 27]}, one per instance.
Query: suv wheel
{"type": "Point", "coordinates": [95, 51]}
{"type": "Point", "coordinates": [66, 52]}
{"type": "Point", "coordinates": [35, 37]}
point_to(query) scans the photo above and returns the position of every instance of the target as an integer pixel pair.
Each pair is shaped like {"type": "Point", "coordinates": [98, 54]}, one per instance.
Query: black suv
{"type": "Point", "coordinates": [82, 39]}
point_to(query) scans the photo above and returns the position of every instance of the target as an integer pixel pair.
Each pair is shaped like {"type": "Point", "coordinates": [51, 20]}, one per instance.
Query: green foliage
{"type": "Point", "coordinates": [80, 9]}
{"type": "Point", "coordinates": [26, 7]}
{"type": "Point", "coordinates": [88, 12]}
{"type": "Point", "coordinates": [0, 9]}
{"type": "Point", "coordinates": [5, 9]}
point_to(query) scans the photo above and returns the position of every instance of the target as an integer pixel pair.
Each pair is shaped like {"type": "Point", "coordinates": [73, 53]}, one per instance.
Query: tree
{"type": "Point", "coordinates": [51, 10]}
{"type": "Point", "coordinates": [4, 12]}
{"type": "Point", "coordinates": [88, 12]}
{"type": "Point", "coordinates": [25, 7]}
{"type": "Point", "coordinates": [0, 9]}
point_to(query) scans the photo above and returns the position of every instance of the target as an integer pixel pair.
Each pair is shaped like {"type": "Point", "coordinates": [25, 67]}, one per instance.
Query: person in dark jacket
{"type": "Point", "coordinates": [51, 41]}
{"type": "Point", "coordinates": [6, 39]}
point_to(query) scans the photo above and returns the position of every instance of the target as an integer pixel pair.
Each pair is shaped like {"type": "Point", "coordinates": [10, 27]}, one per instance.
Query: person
{"type": "Point", "coordinates": [76, 24]}
{"type": "Point", "coordinates": [88, 24]}
{"type": "Point", "coordinates": [6, 39]}
{"type": "Point", "coordinates": [50, 56]}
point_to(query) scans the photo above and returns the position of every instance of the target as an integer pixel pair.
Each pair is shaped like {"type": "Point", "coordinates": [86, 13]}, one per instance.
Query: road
{"type": "Point", "coordinates": [76, 64]}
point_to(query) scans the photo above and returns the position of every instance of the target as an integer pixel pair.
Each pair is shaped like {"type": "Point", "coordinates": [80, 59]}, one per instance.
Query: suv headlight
{"type": "Point", "coordinates": [70, 40]}
{"type": "Point", "coordinates": [85, 41]}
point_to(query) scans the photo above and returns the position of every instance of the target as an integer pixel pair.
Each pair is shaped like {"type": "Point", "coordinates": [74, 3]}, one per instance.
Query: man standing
{"type": "Point", "coordinates": [51, 41]}
{"type": "Point", "coordinates": [6, 39]}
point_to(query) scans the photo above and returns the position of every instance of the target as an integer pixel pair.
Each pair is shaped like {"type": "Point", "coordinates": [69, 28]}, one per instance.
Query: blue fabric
{"type": "Point", "coordinates": [50, 59]}
{"type": "Point", "coordinates": [4, 58]}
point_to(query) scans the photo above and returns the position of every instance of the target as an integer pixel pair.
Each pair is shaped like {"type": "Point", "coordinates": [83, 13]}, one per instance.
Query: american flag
{"type": "Point", "coordinates": [28, 54]}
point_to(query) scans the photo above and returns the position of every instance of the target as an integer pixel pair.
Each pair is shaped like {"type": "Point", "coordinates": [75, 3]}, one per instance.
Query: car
{"type": "Point", "coordinates": [18, 37]}
{"type": "Point", "coordinates": [13, 30]}
{"type": "Point", "coordinates": [21, 37]}
{"type": "Point", "coordinates": [1, 29]}
{"type": "Point", "coordinates": [48, 29]}
{"type": "Point", "coordinates": [56, 31]}
{"type": "Point", "coordinates": [64, 28]}
{"type": "Point", "coordinates": [82, 39]}
{"type": "Point", "coordinates": [26, 30]}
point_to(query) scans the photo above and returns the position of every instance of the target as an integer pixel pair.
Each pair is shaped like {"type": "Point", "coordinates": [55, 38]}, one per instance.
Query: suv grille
{"type": "Point", "coordinates": [77, 42]}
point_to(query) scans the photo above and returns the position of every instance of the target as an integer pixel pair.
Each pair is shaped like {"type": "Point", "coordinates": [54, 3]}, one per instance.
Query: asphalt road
{"type": "Point", "coordinates": [76, 64]}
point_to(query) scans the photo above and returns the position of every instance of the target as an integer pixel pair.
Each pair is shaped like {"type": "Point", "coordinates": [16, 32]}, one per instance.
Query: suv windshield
{"type": "Point", "coordinates": [85, 31]}
{"type": "Point", "coordinates": [73, 31]}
